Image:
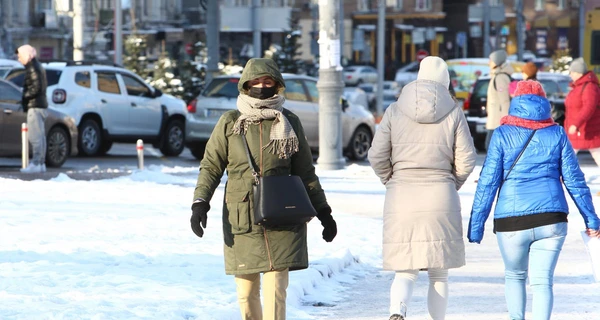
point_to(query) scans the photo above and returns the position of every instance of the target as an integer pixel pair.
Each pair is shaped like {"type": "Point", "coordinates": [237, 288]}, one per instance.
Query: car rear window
{"type": "Point", "coordinates": [564, 86]}
{"type": "Point", "coordinates": [349, 69]}
{"type": "Point", "coordinates": [222, 88]}
{"type": "Point", "coordinates": [17, 76]}
{"type": "Point", "coordinates": [480, 90]}
{"type": "Point", "coordinates": [550, 87]}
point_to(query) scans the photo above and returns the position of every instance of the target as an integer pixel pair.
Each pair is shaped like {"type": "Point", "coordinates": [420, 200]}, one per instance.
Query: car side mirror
{"type": "Point", "coordinates": [157, 93]}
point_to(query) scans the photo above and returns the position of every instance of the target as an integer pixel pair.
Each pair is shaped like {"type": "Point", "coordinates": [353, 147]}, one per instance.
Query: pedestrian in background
{"type": "Point", "coordinates": [529, 72]}
{"type": "Point", "coordinates": [528, 156]}
{"type": "Point", "coordinates": [35, 104]}
{"type": "Point", "coordinates": [582, 118]}
{"type": "Point", "coordinates": [278, 147]}
{"type": "Point", "coordinates": [423, 153]}
{"type": "Point", "coordinates": [498, 94]}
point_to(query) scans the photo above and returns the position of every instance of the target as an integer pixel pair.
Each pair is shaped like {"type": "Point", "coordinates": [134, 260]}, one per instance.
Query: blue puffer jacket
{"type": "Point", "coordinates": [533, 186]}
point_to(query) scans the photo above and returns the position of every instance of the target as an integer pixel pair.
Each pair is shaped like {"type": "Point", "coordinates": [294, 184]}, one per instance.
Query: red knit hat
{"type": "Point", "coordinates": [530, 87]}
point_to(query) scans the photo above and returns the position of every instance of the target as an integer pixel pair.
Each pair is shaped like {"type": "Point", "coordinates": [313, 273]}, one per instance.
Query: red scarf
{"type": "Point", "coordinates": [529, 124]}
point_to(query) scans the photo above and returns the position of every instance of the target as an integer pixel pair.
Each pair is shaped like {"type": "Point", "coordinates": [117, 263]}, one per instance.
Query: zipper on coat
{"type": "Point", "coordinates": [261, 168]}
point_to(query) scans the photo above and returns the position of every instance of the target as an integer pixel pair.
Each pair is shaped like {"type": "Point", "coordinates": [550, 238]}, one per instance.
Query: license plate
{"type": "Point", "coordinates": [215, 113]}
{"type": "Point", "coordinates": [481, 128]}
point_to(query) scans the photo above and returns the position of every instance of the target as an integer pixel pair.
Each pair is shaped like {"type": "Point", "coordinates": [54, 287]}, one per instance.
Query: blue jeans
{"type": "Point", "coordinates": [535, 251]}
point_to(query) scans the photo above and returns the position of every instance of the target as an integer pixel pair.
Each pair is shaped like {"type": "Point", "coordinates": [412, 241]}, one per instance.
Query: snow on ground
{"type": "Point", "coordinates": [123, 249]}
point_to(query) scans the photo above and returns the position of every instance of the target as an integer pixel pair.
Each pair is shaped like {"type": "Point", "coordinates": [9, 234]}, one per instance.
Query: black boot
{"type": "Point", "coordinates": [396, 316]}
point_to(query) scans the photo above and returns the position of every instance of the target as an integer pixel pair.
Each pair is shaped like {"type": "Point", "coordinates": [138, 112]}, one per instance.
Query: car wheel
{"type": "Point", "coordinates": [360, 144]}
{"type": "Point", "coordinates": [57, 147]}
{"type": "Point", "coordinates": [198, 150]}
{"type": "Point", "coordinates": [173, 138]}
{"type": "Point", "coordinates": [90, 138]}
{"type": "Point", "coordinates": [104, 147]}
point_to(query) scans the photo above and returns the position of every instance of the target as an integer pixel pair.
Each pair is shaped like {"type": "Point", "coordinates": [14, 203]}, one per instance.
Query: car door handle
{"type": "Point", "coordinates": [133, 104]}
{"type": "Point", "coordinates": [8, 111]}
{"type": "Point", "coordinates": [102, 100]}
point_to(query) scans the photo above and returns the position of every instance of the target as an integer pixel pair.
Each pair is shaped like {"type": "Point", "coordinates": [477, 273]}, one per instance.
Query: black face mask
{"type": "Point", "coordinates": [262, 93]}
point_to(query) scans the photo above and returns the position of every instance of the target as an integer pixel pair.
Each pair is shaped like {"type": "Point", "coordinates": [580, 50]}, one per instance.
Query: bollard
{"type": "Point", "coordinates": [25, 146]}
{"type": "Point", "coordinates": [140, 152]}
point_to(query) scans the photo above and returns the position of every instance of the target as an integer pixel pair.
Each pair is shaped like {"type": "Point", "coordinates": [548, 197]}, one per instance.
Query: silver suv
{"type": "Point", "coordinates": [302, 98]}
{"type": "Point", "coordinates": [112, 104]}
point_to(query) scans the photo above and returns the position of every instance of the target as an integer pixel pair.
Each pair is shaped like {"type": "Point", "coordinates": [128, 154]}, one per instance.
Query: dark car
{"type": "Point", "coordinates": [61, 132]}
{"type": "Point", "coordinates": [556, 86]}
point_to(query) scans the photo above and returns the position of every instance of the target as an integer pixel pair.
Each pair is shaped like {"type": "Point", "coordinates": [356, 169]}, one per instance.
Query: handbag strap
{"type": "Point", "coordinates": [250, 163]}
{"type": "Point", "coordinates": [520, 154]}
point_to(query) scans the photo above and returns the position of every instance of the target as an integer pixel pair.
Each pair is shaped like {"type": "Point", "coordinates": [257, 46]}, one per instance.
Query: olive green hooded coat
{"type": "Point", "coordinates": [250, 248]}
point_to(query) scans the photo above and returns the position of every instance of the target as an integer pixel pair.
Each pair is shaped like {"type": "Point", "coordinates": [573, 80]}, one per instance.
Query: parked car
{"type": "Point", "coordinates": [302, 98]}
{"type": "Point", "coordinates": [556, 86]}
{"type": "Point", "coordinates": [61, 132]}
{"type": "Point", "coordinates": [464, 73]}
{"type": "Point", "coordinates": [357, 75]}
{"type": "Point", "coordinates": [407, 73]}
{"type": "Point", "coordinates": [370, 90]}
{"type": "Point", "coordinates": [112, 104]}
{"type": "Point", "coordinates": [6, 65]}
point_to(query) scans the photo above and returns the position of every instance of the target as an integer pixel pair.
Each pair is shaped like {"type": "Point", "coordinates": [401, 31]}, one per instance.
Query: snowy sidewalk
{"type": "Point", "coordinates": [123, 249]}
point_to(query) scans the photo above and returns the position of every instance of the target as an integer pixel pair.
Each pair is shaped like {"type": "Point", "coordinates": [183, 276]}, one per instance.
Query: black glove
{"type": "Point", "coordinates": [329, 225]}
{"type": "Point", "coordinates": [199, 210]}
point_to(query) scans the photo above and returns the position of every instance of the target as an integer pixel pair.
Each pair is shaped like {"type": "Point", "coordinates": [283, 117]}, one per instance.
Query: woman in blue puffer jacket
{"type": "Point", "coordinates": [530, 218]}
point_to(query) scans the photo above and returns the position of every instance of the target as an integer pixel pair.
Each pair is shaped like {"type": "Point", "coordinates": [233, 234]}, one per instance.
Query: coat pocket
{"type": "Point", "coordinates": [238, 207]}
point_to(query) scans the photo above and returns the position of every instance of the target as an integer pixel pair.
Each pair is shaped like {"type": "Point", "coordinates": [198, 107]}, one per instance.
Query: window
{"type": "Point", "coordinates": [52, 76]}
{"type": "Point", "coordinates": [363, 5]}
{"type": "Point", "coordinates": [540, 5]}
{"type": "Point", "coordinates": [595, 56]}
{"type": "Point", "coordinates": [294, 90]}
{"type": "Point", "coordinates": [312, 90]}
{"type": "Point", "coordinates": [394, 4]}
{"type": "Point", "coordinates": [9, 93]}
{"type": "Point", "coordinates": [222, 87]}
{"type": "Point", "coordinates": [560, 4]}
{"type": "Point", "coordinates": [423, 5]}
{"type": "Point", "coordinates": [83, 79]}
{"type": "Point", "coordinates": [16, 76]}
{"type": "Point", "coordinates": [107, 82]}
{"type": "Point", "coordinates": [135, 87]}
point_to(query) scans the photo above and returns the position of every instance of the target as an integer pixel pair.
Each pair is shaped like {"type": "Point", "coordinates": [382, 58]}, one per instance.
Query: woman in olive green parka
{"type": "Point", "coordinates": [278, 147]}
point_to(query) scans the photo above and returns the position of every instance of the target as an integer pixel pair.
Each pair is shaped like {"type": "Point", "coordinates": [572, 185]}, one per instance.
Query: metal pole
{"type": "Point", "coordinates": [520, 30]}
{"type": "Point", "coordinates": [78, 30]}
{"type": "Point", "coordinates": [24, 146]}
{"type": "Point", "coordinates": [342, 30]}
{"type": "Point", "coordinates": [380, 49]}
{"type": "Point", "coordinates": [486, 28]}
{"type": "Point", "coordinates": [213, 27]}
{"type": "Point", "coordinates": [330, 87]}
{"type": "Point", "coordinates": [139, 146]}
{"type": "Point", "coordinates": [118, 34]}
{"type": "Point", "coordinates": [581, 26]}
{"type": "Point", "coordinates": [256, 35]}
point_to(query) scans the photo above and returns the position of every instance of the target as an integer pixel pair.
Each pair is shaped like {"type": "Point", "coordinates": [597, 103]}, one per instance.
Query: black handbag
{"type": "Point", "coordinates": [279, 200]}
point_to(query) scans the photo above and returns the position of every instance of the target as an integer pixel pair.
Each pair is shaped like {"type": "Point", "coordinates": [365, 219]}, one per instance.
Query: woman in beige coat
{"type": "Point", "coordinates": [423, 153]}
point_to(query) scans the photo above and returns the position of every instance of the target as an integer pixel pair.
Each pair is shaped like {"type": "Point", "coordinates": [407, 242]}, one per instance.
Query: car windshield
{"type": "Point", "coordinates": [367, 89]}
{"type": "Point", "coordinates": [224, 87]}
{"type": "Point", "coordinates": [464, 75]}
{"type": "Point", "coordinates": [4, 71]}
{"type": "Point", "coordinates": [564, 86]}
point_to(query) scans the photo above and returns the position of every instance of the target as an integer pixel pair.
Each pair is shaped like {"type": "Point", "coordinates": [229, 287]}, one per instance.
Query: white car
{"type": "Point", "coordinates": [302, 98]}
{"type": "Point", "coordinates": [6, 65]}
{"type": "Point", "coordinates": [357, 75]}
{"type": "Point", "coordinates": [112, 104]}
{"type": "Point", "coordinates": [407, 73]}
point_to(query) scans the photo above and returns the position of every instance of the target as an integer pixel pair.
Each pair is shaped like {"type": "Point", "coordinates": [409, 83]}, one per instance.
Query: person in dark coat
{"type": "Point", "coordinates": [278, 147]}
{"type": "Point", "coordinates": [529, 159]}
{"type": "Point", "coordinates": [35, 104]}
{"type": "Point", "coordinates": [582, 119]}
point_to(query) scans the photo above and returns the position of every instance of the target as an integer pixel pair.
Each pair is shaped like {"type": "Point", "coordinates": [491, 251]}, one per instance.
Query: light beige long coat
{"type": "Point", "coordinates": [423, 153]}
{"type": "Point", "coordinates": [498, 97]}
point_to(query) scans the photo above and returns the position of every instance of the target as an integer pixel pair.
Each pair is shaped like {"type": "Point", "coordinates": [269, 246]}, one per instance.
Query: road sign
{"type": "Point", "coordinates": [421, 54]}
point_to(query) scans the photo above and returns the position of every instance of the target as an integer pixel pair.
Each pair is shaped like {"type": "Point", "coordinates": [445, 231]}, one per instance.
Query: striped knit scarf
{"type": "Point", "coordinates": [284, 141]}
